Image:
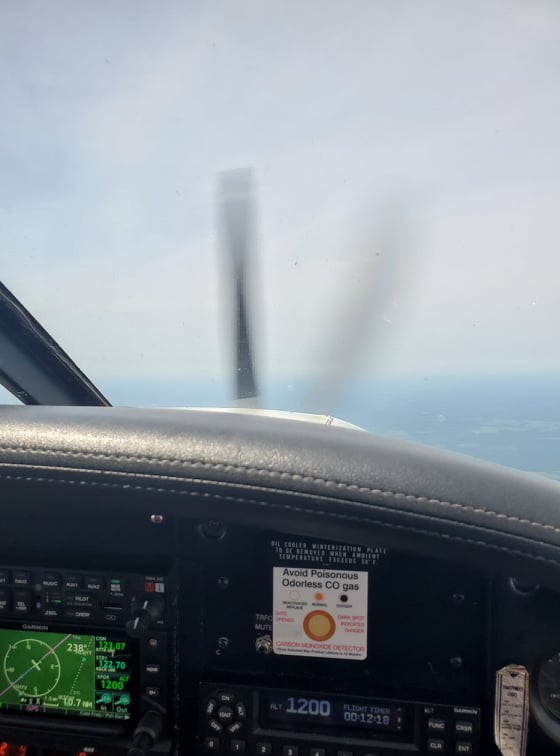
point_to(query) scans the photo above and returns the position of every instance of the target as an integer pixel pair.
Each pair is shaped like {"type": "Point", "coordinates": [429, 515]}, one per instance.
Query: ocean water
{"type": "Point", "coordinates": [510, 420]}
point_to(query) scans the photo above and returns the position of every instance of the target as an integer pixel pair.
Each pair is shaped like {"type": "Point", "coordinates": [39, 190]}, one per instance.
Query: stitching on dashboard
{"type": "Point", "coordinates": [397, 496]}
{"type": "Point", "coordinates": [288, 507]}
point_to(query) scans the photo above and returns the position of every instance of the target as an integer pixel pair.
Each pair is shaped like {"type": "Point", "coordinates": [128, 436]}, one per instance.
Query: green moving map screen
{"type": "Point", "coordinates": [64, 673]}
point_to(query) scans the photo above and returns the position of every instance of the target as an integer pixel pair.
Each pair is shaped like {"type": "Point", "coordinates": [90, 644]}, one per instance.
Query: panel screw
{"type": "Point", "coordinates": [212, 530]}
{"type": "Point", "coordinates": [456, 662]}
{"type": "Point", "coordinates": [223, 582]}
{"type": "Point", "coordinates": [223, 643]}
{"type": "Point", "coordinates": [156, 519]}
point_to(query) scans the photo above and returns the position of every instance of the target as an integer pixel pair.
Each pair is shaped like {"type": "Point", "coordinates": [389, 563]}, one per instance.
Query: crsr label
{"type": "Point", "coordinates": [320, 612]}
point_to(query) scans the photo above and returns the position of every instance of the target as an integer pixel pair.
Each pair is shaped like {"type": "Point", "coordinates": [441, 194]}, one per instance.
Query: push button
{"type": "Point", "coordinates": [52, 580]}
{"type": "Point", "coordinates": [263, 749]}
{"type": "Point", "coordinates": [81, 614]}
{"type": "Point", "coordinates": [23, 602]}
{"type": "Point", "coordinates": [317, 752]}
{"type": "Point", "coordinates": [211, 745]}
{"type": "Point", "coordinates": [464, 728]}
{"type": "Point", "coordinates": [4, 577]}
{"type": "Point", "coordinates": [436, 725]}
{"type": "Point", "coordinates": [80, 599]}
{"type": "Point", "coordinates": [5, 603]}
{"type": "Point", "coordinates": [234, 728]}
{"type": "Point", "coordinates": [465, 749]}
{"type": "Point", "coordinates": [215, 726]}
{"type": "Point", "coordinates": [237, 746]}
{"type": "Point", "coordinates": [73, 582]}
{"type": "Point", "coordinates": [225, 714]}
{"type": "Point", "coordinates": [240, 710]}
{"type": "Point", "coordinates": [94, 582]}
{"type": "Point", "coordinates": [435, 745]}
{"type": "Point", "coordinates": [116, 585]}
{"type": "Point", "coordinates": [153, 669]}
{"type": "Point", "coordinates": [211, 706]}
{"type": "Point", "coordinates": [22, 577]}
{"type": "Point", "coordinates": [343, 753]}
{"type": "Point", "coordinates": [225, 696]}
{"type": "Point", "coordinates": [290, 750]}
{"type": "Point", "coordinates": [52, 611]}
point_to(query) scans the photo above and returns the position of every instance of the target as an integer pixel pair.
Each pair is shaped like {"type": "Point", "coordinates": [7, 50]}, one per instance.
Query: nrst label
{"type": "Point", "coordinates": [320, 612]}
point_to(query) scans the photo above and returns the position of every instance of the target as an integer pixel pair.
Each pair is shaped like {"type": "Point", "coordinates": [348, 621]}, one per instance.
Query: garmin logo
{"type": "Point", "coordinates": [35, 627]}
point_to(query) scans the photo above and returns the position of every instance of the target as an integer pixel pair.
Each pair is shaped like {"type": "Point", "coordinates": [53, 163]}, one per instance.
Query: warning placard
{"type": "Point", "coordinates": [320, 612]}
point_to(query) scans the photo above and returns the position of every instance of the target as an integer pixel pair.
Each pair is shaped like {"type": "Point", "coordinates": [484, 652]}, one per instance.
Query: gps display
{"type": "Point", "coordinates": [65, 673]}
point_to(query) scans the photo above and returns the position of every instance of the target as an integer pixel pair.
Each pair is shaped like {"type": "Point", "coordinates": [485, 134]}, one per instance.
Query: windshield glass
{"type": "Point", "coordinates": [403, 272]}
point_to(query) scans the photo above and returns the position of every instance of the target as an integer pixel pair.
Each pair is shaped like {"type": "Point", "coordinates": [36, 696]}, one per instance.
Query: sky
{"type": "Point", "coordinates": [405, 157]}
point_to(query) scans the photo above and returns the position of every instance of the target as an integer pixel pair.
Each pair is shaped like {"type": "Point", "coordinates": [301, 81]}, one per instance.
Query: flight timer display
{"type": "Point", "coordinates": [297, 711]}
{"type": "Point", "coordinates": [65, 673]}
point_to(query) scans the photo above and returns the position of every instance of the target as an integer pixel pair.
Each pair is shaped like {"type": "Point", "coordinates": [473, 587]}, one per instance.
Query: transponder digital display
{"type": "Point", "coordinates": [65, 674]}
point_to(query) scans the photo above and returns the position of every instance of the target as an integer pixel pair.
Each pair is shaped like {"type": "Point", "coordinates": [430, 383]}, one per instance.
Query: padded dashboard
{"type": "Point", "coordinates": [204, 499]}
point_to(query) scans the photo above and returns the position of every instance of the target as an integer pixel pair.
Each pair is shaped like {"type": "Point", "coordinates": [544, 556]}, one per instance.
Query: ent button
{"type": "Point", "coordinates": [465, 749]}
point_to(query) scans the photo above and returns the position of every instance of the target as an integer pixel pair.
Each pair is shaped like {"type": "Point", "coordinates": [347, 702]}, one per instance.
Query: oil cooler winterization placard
{"type": "Point", "coordinates": [320, 612]}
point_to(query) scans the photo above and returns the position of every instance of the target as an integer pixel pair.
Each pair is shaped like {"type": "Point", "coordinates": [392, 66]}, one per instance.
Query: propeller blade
{"type": "Point", "coordinates": [362, 315]}
{"type": "Point", "coordinates": [237, 214]}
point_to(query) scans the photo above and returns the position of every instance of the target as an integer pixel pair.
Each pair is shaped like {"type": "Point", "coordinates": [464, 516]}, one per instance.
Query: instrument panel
{"type": "Point", "coordinates": [224, 640]}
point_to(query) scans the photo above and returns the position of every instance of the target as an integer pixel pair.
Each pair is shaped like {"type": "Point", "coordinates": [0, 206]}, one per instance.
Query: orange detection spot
{"type": "Point", "coordinates": [319, 625]}
{"type": "Point", "coordinates": [319, 597]}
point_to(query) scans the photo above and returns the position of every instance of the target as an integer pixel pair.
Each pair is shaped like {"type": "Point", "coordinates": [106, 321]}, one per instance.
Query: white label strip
{"type": "Point", "coordinates": [511, 710]}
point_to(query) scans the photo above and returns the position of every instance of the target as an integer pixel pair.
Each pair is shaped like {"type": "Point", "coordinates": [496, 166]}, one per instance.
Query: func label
{"type": "Point", "coordinates": [320, 612]}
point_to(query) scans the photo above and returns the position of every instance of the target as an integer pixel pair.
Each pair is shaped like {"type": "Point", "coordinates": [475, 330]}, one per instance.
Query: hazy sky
{"type": "Point", "coordinates": [422, 132]}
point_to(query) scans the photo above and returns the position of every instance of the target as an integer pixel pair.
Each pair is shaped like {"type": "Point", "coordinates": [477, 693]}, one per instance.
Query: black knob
{"type": "Point", "coordinates": [146, 734]}
{"type": "Point", "coordinates": [144, 613]}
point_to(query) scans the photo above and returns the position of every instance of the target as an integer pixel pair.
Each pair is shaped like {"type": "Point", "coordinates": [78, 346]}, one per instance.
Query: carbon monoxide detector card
{"type": "Point", "coordinates": [320, 612]}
